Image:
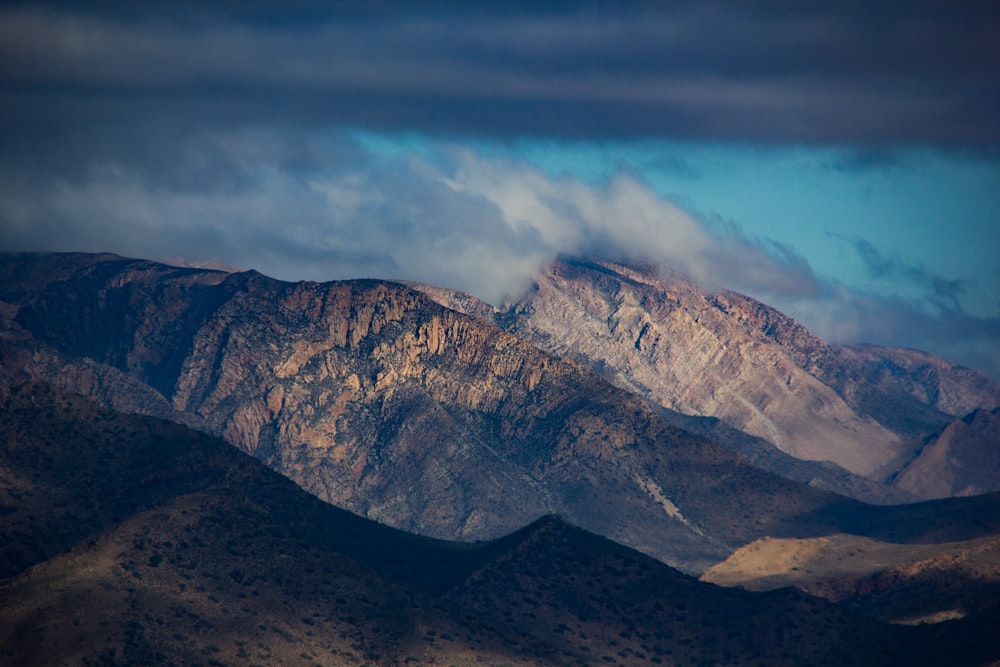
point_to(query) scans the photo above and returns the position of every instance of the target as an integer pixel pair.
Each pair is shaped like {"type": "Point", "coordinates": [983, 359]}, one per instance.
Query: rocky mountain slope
{"type": "Point", "coordinates": [211, 558]}
{"type": "Point", "coordinates": [763, 454]}
{"type": "Point", "coordinates": [377, 399]}
{"type": "Point", "coordinates": [964, 459]}
{"type": "Point", "coordinates": [380, 401]}
{"type": "Point", "coordinates": [719, 354]}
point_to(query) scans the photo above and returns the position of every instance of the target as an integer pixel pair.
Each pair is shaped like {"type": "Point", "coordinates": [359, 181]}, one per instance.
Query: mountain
{"type": "Point", "coordinates": [65, 473]}
{"type": "Point", "coordinates": [209, 557]}
{"type": "Point", "coordinates": [964, 459]}
{"type": "Point", "coordinates": [379, 400]}
{"type": "Point", "coordinates": [719, 354]}
{"type": "Point", "coordinates": [763, 454]}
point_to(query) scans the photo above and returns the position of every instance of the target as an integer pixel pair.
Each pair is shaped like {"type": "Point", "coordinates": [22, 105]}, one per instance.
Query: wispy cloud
{"type": "Point", "coordinates": [452, 217]}
{"type": "Point", "coordinates": [322, 207]}
{"type": "Point", "coordinates": [849, 316]}
{"type": "Point", "coordinates": [938, 290]}
{"type": "Point", "coordinates": [869, 159]}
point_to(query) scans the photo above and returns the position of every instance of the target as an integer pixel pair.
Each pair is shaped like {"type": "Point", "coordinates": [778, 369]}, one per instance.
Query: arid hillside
{"type": "Point", "coordinates": [212, 558]}
{"type": "Point", "coordinates": [381, 401]}
{"type": "Point", "coordinates": [719, 354]}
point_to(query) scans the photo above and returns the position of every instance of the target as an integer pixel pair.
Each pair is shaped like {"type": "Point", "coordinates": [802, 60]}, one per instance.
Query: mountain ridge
{"type": "Point", "coordinates": [720, 354]}
{"type": "Point", "coordinates": [245, 567]}
{"type": "Point", "coordinates": [377, 399]}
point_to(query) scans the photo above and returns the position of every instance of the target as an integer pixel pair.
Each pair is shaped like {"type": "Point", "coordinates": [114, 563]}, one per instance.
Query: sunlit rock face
{"type": "Point", "coordinates": [724, 355]}
{"type": "Point", "coordinates": [378, 399]}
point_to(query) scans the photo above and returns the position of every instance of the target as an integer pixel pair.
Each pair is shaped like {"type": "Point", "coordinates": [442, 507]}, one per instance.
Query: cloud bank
{"type": "Point", "coordinates": [324, 207]}
{"type": "Point", "coordinates": [828, 72]}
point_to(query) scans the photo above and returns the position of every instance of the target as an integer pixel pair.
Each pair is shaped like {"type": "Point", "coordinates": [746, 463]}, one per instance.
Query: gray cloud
{"type": "Point", "coordinates": [869, 159]}
{"type": "Point", "coordinates": [277, 208]}
{"type": "Point", "coordinates": [319, 206]}
{"type": "Point", "coordinates": [939, 291]}
{"type": "Point", "coordinates": [843, 315]}
{"type": "Point", "coordinates": [770, 72]}
{"type": "Point", "coordinates": [262, 199]}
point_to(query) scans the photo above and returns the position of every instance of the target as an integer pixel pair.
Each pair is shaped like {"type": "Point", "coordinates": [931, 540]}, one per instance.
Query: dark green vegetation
{"type": "Point", "coordinates": [186, 551]}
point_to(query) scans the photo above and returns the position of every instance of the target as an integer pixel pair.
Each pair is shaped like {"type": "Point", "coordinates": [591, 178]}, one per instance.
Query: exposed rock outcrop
{"type": "Point", "coordinates": [381, 401]}
{"type": "Point", "coordinates": [377, 399]}
{"type": "Point", "coordinates": [721, 354]}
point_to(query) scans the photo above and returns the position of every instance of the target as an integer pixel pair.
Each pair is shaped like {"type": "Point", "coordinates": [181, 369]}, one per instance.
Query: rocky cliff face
{"type": "Point", "coordinates": [701, 353]}
{"type": "Point", "coordinates": [613, 361]}
{"type": "Point", "coordinates": [381, 401]}
{"type": "Point", "coordinates": [721, 354]}
{"type": "Point", "coordinates": [377, 399]}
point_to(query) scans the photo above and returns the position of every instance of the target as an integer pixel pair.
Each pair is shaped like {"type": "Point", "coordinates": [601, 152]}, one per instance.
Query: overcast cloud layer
{"type": "Point", "coordinates": [830, 72]}
{"type": "Point", "coordinates": [196, 130]}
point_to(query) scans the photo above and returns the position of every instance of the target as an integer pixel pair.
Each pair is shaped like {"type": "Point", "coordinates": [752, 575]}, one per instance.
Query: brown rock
{"type": "Point", "coordinates": [724, 355]}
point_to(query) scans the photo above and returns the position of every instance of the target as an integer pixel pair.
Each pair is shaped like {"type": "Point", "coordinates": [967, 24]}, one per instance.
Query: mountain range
{"type": "Point", "coordinates": [886, 414]}
{"type": "Point", "coordinates": [184, 551]}
{"type": "Point", "coordinates": [700, 428]}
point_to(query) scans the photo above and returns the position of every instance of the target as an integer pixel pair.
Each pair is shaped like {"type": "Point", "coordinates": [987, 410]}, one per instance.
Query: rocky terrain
{"type": "Point", "coordinates": [376, 399]}
{"type": "Point", "coordinates": [381, 401]}
{"type": "Point", "coordinates": [154, 544]}
{"type": "Point", "coordinates": [763, 454]}
{"type": "Point", "coordinates": [719, 354]}
{"type": "Point", "coordinates": [964, 459]}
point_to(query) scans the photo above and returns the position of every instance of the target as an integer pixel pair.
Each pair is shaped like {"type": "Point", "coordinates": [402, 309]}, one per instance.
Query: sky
{"type": "Point", "coordinates": [837, 160]}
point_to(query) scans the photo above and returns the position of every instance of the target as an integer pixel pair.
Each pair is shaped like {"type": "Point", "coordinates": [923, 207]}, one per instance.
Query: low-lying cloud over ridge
{"type": "Point", "coordinates": [230, 131]}
{"type": "Point", "coordinates": [324, 207]}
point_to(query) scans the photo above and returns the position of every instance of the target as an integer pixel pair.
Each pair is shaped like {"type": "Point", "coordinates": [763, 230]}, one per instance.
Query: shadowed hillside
{"type": "Point", "coordinates": [225, 562]}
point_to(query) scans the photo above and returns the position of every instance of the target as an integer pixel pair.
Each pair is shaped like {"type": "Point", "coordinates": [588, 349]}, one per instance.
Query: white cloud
{"type": "Point", "coordinates": [308, 208]}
